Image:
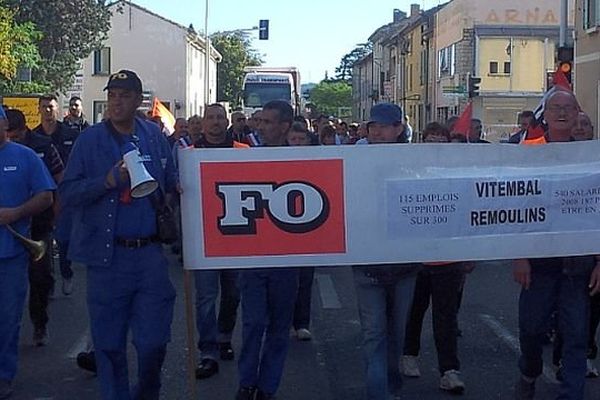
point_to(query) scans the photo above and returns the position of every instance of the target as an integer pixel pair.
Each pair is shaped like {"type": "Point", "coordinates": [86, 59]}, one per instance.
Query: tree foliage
{"type": "Point", "coordinates": [18, 48]}
{"type": "Point", "coordinates": [71, 31]}
{"type": "Point", "coordinates": [329, 96]}
{"type": "Point", "coordinates": [344, 71]}
{"type": "Point", "coordinates": [236, 49]}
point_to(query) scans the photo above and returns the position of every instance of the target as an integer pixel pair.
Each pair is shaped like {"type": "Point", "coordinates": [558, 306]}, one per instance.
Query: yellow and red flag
{"type": "Point", "coordinates": [159, 110]}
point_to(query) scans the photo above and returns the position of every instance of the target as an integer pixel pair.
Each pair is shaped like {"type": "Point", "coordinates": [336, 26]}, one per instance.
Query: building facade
{"type": "Point", "coordinates": [362, 88]}
{"type": "Point", "coordinates": [423, 62]}
{"type": "Point", "coordinates": [587, 58]}
{"type": "Point", "coordinates": [370, 74]}
{"type": "Point", "coordinates": [168, 57]}
{"type": "Point", "coordinates": [403, 64]}
{"type": "Point", "coordinates": [510, 45]}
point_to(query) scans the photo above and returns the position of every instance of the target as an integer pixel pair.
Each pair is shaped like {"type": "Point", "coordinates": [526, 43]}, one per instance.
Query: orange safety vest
{"type": "Point", "coordinates": [535, 141]}
{"type": "Point", "coordinates": [238, 145]}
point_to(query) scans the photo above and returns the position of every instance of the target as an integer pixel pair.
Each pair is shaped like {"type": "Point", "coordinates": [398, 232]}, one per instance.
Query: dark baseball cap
{"type": "Point", "coordinates": [124, 79]}
{"type": "Point", "coordinates": [386, 113]}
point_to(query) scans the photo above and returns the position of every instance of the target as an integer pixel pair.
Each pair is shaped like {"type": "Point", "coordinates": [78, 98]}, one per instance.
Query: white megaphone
{"type": "Point", "coordinates": [142, 183]}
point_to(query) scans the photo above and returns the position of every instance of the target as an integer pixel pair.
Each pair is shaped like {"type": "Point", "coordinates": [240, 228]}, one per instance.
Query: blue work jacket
{"type": "Point", "coordinates": [94, 206]}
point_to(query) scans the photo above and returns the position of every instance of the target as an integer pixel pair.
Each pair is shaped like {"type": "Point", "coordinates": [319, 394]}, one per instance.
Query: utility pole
{"type": "Point", "coordinates": [564, 22]}
{"type": "Point", "coordinates": [565, 46]}
{"type": "Point", "coordinates": [206, 60]}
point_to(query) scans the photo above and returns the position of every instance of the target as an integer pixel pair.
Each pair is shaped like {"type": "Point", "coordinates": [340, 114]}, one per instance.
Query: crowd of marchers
{"type": "Point", "coordinates": [65, 184]}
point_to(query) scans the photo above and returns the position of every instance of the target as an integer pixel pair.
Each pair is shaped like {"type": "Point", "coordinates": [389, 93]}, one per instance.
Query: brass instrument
{"type": "Point", "coordinates": [36, 249]}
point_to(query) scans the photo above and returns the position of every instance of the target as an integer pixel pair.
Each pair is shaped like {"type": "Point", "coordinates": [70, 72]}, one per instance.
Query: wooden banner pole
{"type": "Point", "coordinates": [191, 333]}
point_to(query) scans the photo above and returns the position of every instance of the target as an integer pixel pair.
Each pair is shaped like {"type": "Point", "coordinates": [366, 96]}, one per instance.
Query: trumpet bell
{"type": "Point", "coordinates": [37, 249]}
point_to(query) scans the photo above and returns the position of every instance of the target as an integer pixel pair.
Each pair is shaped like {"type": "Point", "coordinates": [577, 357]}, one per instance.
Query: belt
{"type": "Point", "coordinates": [136, 243]}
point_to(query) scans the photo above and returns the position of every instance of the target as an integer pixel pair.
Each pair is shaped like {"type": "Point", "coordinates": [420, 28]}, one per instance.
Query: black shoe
{"type": "Point", "coordinates": [226, 351]}
{"type": "Point", "coordinates": [245, 393]}
{"type": "Point", "coordinates": [524, 389]}
{"type": "Point", "coordinates": [207, 368]}
{"type": "Point", "coordinates": [5, 389]}
{"type": "Point", "coordinates": [260, 395]}
{"type": "Point", "coordinates": [87, 360]}
{"type": "Point", "coordinates": [40, 336]}
{"type": "Point", "coordinates": [559, 374]}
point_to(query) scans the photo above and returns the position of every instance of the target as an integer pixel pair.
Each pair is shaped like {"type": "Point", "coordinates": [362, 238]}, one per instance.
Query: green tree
{"type": "Point", "coordinates": [344, 71]}
{"type": "Point", "coordinates": [329, 96]}
{"type": "Point", "coordinates": [18, 49]}
{"type": "Point", "coordinates": [236, 49]}
{"type": "Point", "coordinates": [71, 31]}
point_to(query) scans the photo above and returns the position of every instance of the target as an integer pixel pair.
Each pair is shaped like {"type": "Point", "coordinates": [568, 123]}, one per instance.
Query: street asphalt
{"type": "Point", "coordinates": [330, 367]}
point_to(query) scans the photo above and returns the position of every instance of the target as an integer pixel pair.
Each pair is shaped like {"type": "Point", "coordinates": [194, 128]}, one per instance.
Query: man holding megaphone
{"type": "Point", "coordinates": [117, 175]}
{"type": "Point", "coordinates": [25, 190]}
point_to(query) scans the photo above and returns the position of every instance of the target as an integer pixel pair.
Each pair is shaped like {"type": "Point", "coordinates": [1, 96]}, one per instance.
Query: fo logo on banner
{"type": "Point", "coordinates": [273, 208]}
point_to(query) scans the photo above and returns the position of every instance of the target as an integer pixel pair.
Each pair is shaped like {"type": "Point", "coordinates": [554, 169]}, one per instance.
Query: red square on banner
{"type": "Point", "coordinates": [270, 208]}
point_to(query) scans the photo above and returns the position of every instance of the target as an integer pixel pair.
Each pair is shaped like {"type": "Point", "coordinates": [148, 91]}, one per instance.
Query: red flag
{"type": "Point", "coordinates": [159, 110]}
{"type": "Point", "coordinates": [463, 124]}
{"type": "Point", "coordinates": [561, 80]}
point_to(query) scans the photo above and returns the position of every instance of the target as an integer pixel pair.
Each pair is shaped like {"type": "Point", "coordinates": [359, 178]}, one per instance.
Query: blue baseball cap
{"type": "Point", "coordinates": [386, 113]}
{"type": "Point", "coordinates": [2, 113]}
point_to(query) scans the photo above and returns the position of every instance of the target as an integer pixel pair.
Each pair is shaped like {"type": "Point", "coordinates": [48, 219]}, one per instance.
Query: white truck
{"type": "Point", "coordinates": [264, 84]}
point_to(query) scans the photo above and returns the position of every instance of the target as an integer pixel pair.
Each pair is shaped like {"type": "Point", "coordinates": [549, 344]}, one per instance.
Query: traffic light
{"type": "Point", "coordinates": [263, 29]}
{"type": "Point", "coordinates": [474, 83]}
{"type": "Point", "coordinates": [566, 67]}
{"type": "Point", "coordinates": [565, 62]}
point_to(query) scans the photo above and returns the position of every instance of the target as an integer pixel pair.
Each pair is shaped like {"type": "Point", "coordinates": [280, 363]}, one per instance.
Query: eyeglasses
{"type": "Point", "coordinates": [240, 119]}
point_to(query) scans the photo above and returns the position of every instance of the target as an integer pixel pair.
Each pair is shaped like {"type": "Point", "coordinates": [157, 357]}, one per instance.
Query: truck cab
{"type": "Point", "coordinates": [262, 85]}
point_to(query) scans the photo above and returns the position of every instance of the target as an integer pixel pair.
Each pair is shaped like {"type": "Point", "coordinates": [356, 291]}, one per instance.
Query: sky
{"type": "Point", "coordinates": [312, 35]}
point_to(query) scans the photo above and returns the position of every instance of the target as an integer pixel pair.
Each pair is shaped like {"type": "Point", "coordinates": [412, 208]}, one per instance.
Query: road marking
{"type": "Point", "coordinates": [512, 342]}
{"type": "Point", "coordinates": [83, 344]}
{"type": "Point", "coordinates": [329, 297]}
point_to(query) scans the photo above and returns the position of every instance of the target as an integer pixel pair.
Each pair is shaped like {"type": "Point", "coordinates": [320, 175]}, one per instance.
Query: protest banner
{"type": "Point", "coordinates": [351, 205]}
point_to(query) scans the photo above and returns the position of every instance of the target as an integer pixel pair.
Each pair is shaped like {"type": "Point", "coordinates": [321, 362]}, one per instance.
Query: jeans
{"type": "Point", "coordinates": [41, 283]}
{"type": "Point", "coordinates": [268, 298]}
{"type": "Point", "coordinates": [302, 308]}
{"type": "Point", "coordinates": [550, 290]}
{"type": "Point", "coordinates": [442, 287]}
{"type": "Point", "coordinates": [211, 331]}
{"type": "Point", "coordinates": [592, 349]}
{"type": "Point", "coordinates": [135, 293]}
{"type": "Point", "coordinates": [383, 311]}
{"type": "Point", "coordinates": [593, 328]}
{"type": "Point", "coordinates": [13, 288]}
{"type": "Point", "coordinates": [64, 263]}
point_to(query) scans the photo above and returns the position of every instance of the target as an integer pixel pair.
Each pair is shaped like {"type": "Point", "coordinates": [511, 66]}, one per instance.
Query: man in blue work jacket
{"type": "Point", "coordinates": [268, 295]}
{"type": "Point", "coordinates": [115, 235]}
{"type": "Point", "coordinates": [29, 193]}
